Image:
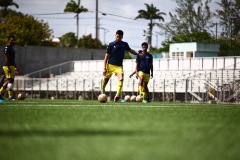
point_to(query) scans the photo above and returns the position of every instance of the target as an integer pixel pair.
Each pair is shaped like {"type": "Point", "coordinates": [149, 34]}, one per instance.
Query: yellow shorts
{"type": "Point", "coordinates": [112, 69]}
{"type": "Point", "coordinates": [9, 74]}
{"type": "Point", "coordinates": [146, 77]}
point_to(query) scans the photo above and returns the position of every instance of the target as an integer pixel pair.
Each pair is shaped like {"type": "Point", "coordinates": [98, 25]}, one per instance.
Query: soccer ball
{"type": "Point", "coordinates": [102, 98]}
{"type": "Point", "coordinates": [21, 96]}
{"type": "Point", "coordinates": [139, 98]}
{"type": "Point", "coordinates": [127, 98]}
{"type": "Point", "coordinates": [133, 98]}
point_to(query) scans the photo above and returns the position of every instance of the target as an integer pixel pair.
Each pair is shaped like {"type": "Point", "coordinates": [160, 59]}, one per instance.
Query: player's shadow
{"type": "Point", "coordinates": [70, 133]}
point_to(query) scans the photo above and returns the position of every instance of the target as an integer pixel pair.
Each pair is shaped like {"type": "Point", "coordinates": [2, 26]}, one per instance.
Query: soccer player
{"type": "Point", "coordinates": [113, 62]}
{"type": "Point", "coordinates": [9, 68]}
{"type": "Point", "coordinates": [144, 71]}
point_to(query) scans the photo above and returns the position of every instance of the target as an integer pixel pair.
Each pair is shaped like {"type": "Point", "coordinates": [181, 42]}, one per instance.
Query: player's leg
{"type": "Point", "coordinates": [2, 79]}
{"type": "Point", "coordinates": [148, 96]}
{"type": "Point", "coordinates": [120, 76]}
{"type": "Point", "coordinates": [106, 78]}
{"type": "Point", "coordinates": [104, 83]}
{"type": "Point", "coordinates": [2, 89]}
{"type": "Point", "coordinates": [145, 87]}
{"type": "Point", "coordinates": [10, 86]}
{"type": "Point", "coordinates": [4, 86]}
{"type": "Point", "coordinates": [146, 93]}
{"type": "Point", "coordinates": [141, 80]}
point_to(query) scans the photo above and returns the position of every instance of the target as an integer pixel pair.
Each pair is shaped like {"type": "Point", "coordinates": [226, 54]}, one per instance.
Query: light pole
{"type": "Point", "coordinates": [105, 32]}
{"type": "Point", "coordinates": [97, 25]}
{"type": "Point", "coordinates": [156, 35]}
{"type": "Point", "coordinates": [231, 28]}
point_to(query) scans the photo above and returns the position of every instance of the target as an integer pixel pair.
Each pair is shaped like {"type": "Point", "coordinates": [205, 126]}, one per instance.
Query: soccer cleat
{"type": "Point", "coordinates": [1, 97]}
{"type": "Point", "coordinates": [116, 98]}
{"type": "Point", "coordinates": [148, 100]}
{"type": "Point", "coordinates": [11, 98]}
{"type": "Point", "coordinates": [144, 101]}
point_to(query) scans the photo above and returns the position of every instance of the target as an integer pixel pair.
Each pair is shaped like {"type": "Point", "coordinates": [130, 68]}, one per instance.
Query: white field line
{"type": "Point", "coordinates": [94, 105]}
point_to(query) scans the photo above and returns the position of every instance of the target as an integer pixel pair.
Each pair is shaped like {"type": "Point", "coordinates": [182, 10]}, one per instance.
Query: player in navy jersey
{"type": "Point", "coordinates": [144, 71]}
{"type": "Point", "coordinates": [9, 68]}
{"type": "Point", "coordinates": [113, 62]}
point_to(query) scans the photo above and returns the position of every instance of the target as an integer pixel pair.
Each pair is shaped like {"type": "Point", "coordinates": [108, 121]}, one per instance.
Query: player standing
{"type": "Point", "coordinates": [9, 68]}
{"type": "Point", "coordinates": [144, 71]}
{"type": "Point", "coordinates": [113, 62]}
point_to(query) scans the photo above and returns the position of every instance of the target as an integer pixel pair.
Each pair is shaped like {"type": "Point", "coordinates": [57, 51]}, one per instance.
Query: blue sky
{"type": "Point", "coordinates": [120, 14]}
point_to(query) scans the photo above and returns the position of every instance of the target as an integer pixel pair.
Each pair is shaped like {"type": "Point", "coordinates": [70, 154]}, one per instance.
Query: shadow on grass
{"type": "Point", "coordinates": [70, 133]}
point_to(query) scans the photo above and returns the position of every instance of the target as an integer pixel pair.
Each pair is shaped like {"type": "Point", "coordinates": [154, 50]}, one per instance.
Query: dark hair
{"type": "Point", "coordinates": [145, 44]}
{"type": "Point", "coordinates": [9, 37]}
{"type": "Point", "coordinates": [119, 32]}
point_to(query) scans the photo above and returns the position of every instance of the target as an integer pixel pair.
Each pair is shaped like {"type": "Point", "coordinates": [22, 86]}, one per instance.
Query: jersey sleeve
{"type": "Point", "coordinates": [127, 48]}
{"type": "Point", "coordinates": [109, 48]}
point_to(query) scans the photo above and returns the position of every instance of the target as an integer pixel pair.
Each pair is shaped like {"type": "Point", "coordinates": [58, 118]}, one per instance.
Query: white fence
{"type": "Point", "coordinates": [170, 75]}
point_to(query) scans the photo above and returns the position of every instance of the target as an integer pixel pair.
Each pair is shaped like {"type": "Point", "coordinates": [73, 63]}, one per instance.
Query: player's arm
{"type": "Point", "coordinates": [16, 69]}
{"type": "Point", "coordinates": [151, 69]}
{"type": "Point", "coordinates": [105, 63]}
{"type": "Point", "coordinates": [137, 69]}
{"type": "Point", "coordinates": [135, 53]}
{"type": "Point", "coordinates": [130, 76]}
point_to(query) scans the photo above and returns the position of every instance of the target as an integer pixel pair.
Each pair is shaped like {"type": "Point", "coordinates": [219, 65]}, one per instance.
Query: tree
{"type": "Point", "coordinates": [5, 4]}
{"type": "Point", "coordinates": [68, 39]}
{"type": "Point", "coordinates": [151, 13]}
{"type": "Point", "coordinates": [27, 29]}
{"type": "Point", "coordinates": [191, 16]}
{"type": "Point", "coordinates": [88, 42]}
{"type": "Point", "coordinates": [229, 17]}
{"type": "Point", "coordinates": [74, 7]}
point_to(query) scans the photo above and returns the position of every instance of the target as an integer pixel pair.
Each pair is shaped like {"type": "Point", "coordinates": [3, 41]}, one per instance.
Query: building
{"type": "Point", "coordinates": [193, 49]}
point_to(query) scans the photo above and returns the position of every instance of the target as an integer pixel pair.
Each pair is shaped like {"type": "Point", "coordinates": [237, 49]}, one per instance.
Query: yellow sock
{"type": "Point", "coordinates": [120, 84]}
{"type": "Point", "coordinates": [2, 90]}
{"type": "Point", "coordinates": [103, 86]}
{"type": "Point", "coordinates": [140, 89]}
{"type": "Point", "coordinates": [10, 93]}
{"type": "Point", "coordinates": [144, 95]}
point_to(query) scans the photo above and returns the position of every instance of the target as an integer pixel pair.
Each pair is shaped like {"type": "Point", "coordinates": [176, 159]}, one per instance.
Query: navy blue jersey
{"type": "Point", "coordinates": [9, 50]}
{"type": "Point", "coordinates": [116, 50]}
{"type": "Point", "coordinates": [145, 63]}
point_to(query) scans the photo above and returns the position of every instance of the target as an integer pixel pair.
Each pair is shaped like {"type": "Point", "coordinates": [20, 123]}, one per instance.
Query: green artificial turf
{"type": "Point", "coordinates": [89, 130]}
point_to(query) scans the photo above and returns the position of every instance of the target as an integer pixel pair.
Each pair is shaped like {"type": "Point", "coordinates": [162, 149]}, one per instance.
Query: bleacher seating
{"type": "Point", "coordinates": [87, 76]}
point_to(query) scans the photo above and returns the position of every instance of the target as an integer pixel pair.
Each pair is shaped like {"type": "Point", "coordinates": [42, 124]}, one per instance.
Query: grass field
{"type": "Point", "coordinates": [89, 130]}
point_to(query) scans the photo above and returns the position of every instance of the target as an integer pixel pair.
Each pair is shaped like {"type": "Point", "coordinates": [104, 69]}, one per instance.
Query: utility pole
{"type": "Point", "coordinates": [231, 31]}
{"type": "Point", "coordinates": [105, 31]}
{"type": "Point", "coordinates": [97, 25]}
{"type": "Point", "coordinates": [216, 32]}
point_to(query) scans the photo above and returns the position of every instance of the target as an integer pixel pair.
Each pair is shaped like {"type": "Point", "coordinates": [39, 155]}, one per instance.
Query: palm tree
{"type": "Point", "coordinates": [5, 4]}
{"type": "Point", "coordinates": [74, 7]}
{"type": "Point", "coordinates": [151, 14]}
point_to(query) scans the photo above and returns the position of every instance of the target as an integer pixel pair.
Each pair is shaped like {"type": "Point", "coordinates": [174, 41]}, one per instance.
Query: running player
{"type": "Point", "coordinates": [9, 68]}
{"type": "Point", "coordinates": [113, 62]}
